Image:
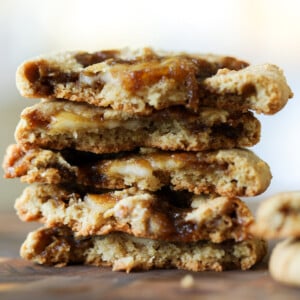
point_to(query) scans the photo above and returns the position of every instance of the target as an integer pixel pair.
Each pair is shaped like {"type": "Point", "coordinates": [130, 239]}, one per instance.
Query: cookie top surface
{"type": "Point", "coordinates": [144, 80]}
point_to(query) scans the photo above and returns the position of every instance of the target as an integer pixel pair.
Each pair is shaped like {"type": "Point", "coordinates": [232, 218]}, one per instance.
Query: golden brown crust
{"type": "Point", "coordinates": [164, 215]}
{"type": "Point", "coordinates": [201, 172]}
{"type": "Point", "coordinates": [58, 246]}
{"type": "Point", "coordinates": [63, 124]}
{"type": "Point", "coordinates": [134, 81]}
{"type": "Point", "coordinates": [279, 216]}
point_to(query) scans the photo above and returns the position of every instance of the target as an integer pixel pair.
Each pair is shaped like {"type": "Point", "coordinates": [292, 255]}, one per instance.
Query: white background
{"type": "Point", "coordinates": [258, 31]}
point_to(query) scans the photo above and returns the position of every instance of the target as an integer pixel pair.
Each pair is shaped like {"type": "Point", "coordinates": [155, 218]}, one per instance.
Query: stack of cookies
{"type": "Point", "coordinates": [135, 159]}
{"type": "Point", "coordinates": [278, 217]}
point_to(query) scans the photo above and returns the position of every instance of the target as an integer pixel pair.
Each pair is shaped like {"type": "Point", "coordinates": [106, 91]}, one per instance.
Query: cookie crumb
{"type": "Point", "coordinates": [187, 282]}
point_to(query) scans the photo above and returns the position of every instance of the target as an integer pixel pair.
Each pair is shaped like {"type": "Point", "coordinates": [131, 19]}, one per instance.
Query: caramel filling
{"type": "Point", "coordinates": [68, 121]}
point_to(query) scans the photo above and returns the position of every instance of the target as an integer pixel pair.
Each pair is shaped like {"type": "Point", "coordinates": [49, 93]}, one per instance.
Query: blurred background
{"type": "Point", "coordinates": [259, 31]}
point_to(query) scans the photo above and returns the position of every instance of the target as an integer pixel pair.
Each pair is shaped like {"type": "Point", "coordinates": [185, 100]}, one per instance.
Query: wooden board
{"type": "Point", "coordinates": [23, 280]}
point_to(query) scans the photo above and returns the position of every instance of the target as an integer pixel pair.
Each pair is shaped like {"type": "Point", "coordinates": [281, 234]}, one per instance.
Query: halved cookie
{"type": "Point", "coordinates": [122, 252]}
{"type": "Point", "coordinates": [233, 172]}
{"type": "Point", "coordinates": [63, 124]}
{"type": "Point", "coordinates": [142, 81]}
{"type": "Point", "coordinates": [164, 215]}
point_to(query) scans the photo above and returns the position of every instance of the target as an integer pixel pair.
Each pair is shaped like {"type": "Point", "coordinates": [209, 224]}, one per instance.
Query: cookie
{"type": "Point", "coordinates": [284, 265]}
{"type": "Point", "coordinates": [279, 216]}
{"type": "Point", "coordinates": [217, 172]}
{"type": "Point", "coordinates": [144, 80]}
{"type": "Point", "coordinates": [164, 215]}
{"type": "Point", "coordinates": [63, 124]}
{"type": "Point", "coordinates": [122, 252]}
{"type": "Point", "coordinates": [135, 81]}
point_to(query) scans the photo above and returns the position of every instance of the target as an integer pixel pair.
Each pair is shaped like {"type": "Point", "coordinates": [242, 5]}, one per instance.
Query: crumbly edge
{"type": "Point", "coordinates": [122, 252]}
{"type": "Point", "coordinates": [168, 216]}
{"type": "Point", "coordinates": [202, 172]}
{"type": "Point", "coordinates": [215, 129]}
{"type": "Point", "coordinates": [264, 87]}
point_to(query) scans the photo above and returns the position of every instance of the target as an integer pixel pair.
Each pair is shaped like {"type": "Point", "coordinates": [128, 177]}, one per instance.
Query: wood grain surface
{"type": "Point", "coordinates": [20, 279]}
